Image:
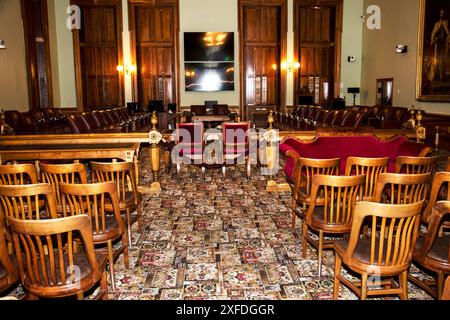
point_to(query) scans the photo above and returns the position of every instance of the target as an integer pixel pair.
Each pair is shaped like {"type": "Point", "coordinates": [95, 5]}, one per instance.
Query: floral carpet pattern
{"type": "Point", "coordinates": [223, 239]}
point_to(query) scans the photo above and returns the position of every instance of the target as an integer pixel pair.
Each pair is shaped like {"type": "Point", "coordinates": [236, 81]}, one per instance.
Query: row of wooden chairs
{"type": "Point", "coordinates": [33, 215]}
{"type": "Point", "coordinates": [383, 229]}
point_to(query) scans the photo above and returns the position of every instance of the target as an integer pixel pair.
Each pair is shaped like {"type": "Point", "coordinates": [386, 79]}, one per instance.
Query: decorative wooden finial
{"type": "Point", "coordinates": [271, 120]}
{"type": "Point", "coordinates": [154, 120]}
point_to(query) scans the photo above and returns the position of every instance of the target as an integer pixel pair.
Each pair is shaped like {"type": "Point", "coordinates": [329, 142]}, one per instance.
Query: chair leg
{"type": "Point", "coordinates": [304, 241]}
{"type": "Point", "coordinates": [294, 216]}
{"type": "Point", "coordinates": [249, 168]}
{"type": "Point", "coordinates": [126, 256]}
{"type": "Point", "coordinates": [404, 285]}
{"type": "Point", "coordinates": [320, 252]}
{"type": "Point", "coordinates": [364, 286]}
{"type": "Point", "coordinates": [104, 286]}
{"type": "Point", "coordinates": [440, 285]}
{"type": "Point", "coordinates": [337, 273]}
{"type": "Point", "coordinates": [139, 211]}
{"type": "Point", "coordinates": [111, 265]}
{"type": "Point", "coordinates": [80, 295]}
{"type": "Point", "coordinates": [129, 227]}
{"type": "Point", "coordinates": [224, 172]}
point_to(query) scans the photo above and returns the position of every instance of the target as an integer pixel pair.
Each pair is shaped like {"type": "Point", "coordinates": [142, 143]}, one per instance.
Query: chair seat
{"type": "Point", "coordinates": [439, 251]}
{"type": "Point", "coordinates": [362, 251]}
{"type": "Point", "coordinates": [79, 260]}
{"type": "Point", "coordinates": [111, 229]}
{"type": "Point", "coordinates": [128, 203]}
{"type": "Point", "coordinates": [318, 222]}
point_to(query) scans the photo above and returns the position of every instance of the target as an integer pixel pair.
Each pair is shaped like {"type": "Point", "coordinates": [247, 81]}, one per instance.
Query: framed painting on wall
{"type": "Point", "coordinates": [433, 76]}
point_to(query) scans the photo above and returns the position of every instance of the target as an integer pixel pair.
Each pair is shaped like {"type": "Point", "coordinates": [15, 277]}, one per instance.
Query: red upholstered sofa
{"type": "Point", "coordinates": [350, 146]}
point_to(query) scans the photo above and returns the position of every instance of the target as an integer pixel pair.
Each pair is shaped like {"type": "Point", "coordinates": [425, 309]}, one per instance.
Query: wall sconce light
{"type": "Point", "coordinates": [401, 48]}
{"type": "Point", "coordinates": [2, 44]}
{"type": "Point", "coordinates": [290, 66]}
{"type": "Point", "coordinates": [127, 69]}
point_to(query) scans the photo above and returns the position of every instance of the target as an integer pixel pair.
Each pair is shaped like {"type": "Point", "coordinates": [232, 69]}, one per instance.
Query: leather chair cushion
{"type": "Point", "coordinates": [440, 249]}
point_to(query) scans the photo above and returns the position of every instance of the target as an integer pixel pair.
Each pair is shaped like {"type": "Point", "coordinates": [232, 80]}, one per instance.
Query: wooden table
{"type": "Point", "coordinates": [128, 152]}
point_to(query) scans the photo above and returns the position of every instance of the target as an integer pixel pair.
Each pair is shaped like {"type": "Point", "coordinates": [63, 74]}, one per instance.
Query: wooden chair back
{"type": "Point", "coordinates": [305, 169]}
{"type": "Point", "coordinates": [396, 188]}
{"type": "Point", "coordinates": [393, 233]}
{"type": "Point", "coordinates": [446, 295]}
{"type": "Point", "coordinates": [122, 174]}
{"type": "Point", "coordinates": [63, 173]}
{"type": "Point", "coordinates": [46, 255]}
{"type": "Point", "coordinates": [18, 174]}
{"type": "Point", "coordinates": [10, 274]}
{"type": "Point", "coordinates": [28, 202]}
{"type": "Point", "coordinates": [371, 168]}
{"type": "Point", "coordinates": [440, 181]}
{"type": "Point", "coordinates": [416, 165]}
{"type": "Point", "coordinates": [91, 199]}
{"type": "Point", "coordinates": [440, 211]}
{"type": "Point", "coordinates": [339, 196]}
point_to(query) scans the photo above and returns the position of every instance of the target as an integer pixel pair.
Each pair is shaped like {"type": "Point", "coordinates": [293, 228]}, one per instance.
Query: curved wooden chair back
{"type": "Point", "coordinates": [440, 181]}
{"type": "Point", "coordinates": [10, 274]}
{"type": "Point", "coordinates": [28, 202]}
{"type": "Point", "coordinates": [339, 195]}
{"type": "Point", "coordinates": [416, 165]}
{"type": "Point", "coordinates": [63, 173]}
{"type": "Point", "coordinates": [305, 169]}
{"type": "Point", "coordinates": [371, 168]}
{"type": "Point", "coordinates": [446, 295]}
{"type": "Point", "coordinates": [440, 211]}
{"type": "Point", "coordinates": [122, 174]}
{"type": "Point", "coordinates": [396, 188]}
{"type": "Point", "coordinates": [18, 174]}
{"type": "Point", "coordinates": [393, 233]}
{"type": "Point", "coordinates": [46, 255]}
{"type": "Point", "coordinates": [90, 199]}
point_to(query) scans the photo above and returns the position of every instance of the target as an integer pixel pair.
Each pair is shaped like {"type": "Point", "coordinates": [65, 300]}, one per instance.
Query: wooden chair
{"type": "Point", "coordinates": [446, 295]}
{"type": "Point", "coordinates": [440, 181]}
{"type": "Point", "coordinates": [236, 145]}
{"type": "Point", "coordinates": [189, 145]}
{"type": "Point", "coordinates": [49, 267]}
{"type": "Point", "coordinates": [304, 171]}
{"type": "Point", "coordinates": [64, 173]}
{"type": "Point", "coordinates": [124, 176]}
{"type": "Point", "coordinates": [335, 215]}
{"type": "Point", "coordinates": [416, 165]}
{"type": "Point", "coordinates": [8, 272]}
{"type": "Point", "coordinates": [387, 253]}
{"type": "Point", "coordinates": [371, 168]}
{"type": "Point", "coordinates": [396, 188]}
{"type": "Point", "coordinates": [91, 199]}
{"type": "Point", "coordinates": [447, 167]}
{"type": "Point", "coordinates": [433, 252]}
{"type": "Point", "coordinates": [18, 174]}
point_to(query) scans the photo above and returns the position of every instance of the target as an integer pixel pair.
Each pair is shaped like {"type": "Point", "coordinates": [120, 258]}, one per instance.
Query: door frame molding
{"type": "Point", "coordinates": [77, 53]}
{"type": "Point", "coordinates": [132, 5]}
{"type": "Point", "coordinates": [339, 4]}
{"type": "Point", "coordinates": [283, 4]}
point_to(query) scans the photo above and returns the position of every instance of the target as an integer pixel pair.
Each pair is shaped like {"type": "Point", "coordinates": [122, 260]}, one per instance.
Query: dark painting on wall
{"type": "Point", "coordinates": [433, 77]}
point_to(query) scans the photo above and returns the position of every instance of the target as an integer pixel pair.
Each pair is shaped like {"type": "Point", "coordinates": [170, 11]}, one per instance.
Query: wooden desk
{"type": "Point", "coordinates": [210, 118]}
{"type": "Point", "coordinates": [128, 152]}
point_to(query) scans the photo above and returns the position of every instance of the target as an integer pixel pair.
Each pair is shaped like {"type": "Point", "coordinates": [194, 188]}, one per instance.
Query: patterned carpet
{"type": "Point", "coordinates": [222, 239]}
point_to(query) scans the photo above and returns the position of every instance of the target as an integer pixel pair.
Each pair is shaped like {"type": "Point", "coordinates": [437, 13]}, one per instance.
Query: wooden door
{"type": "Point", "coordinates": [35, 21]}
{"type": "Point", "coordinates": [154, 29]}
{"type": "Point", "coordinates": [98, 52]}
{"type": "Point", "coordinates": [263, 39]}
{"type": "Point", "coordinates": [318, 47]}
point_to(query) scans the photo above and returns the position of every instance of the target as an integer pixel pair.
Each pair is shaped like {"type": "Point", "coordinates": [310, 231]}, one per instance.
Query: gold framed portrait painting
{"type": "Point", "coordinates": [433, 76]}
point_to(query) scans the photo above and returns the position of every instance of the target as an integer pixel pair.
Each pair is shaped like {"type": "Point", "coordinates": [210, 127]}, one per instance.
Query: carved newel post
{"type": "Point", "coordinates": [154, 138]}
{"type": "Point", "coordinates": [421, 131]}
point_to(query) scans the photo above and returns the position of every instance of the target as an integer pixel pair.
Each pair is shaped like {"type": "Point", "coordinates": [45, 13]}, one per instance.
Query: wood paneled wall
{"type": "Point", "coordinates": [263, 41]}
{"type": "Point", "coordinates": [35, 22]}
{"type": "Point", "coordinates": [98, 52]}
{"type": "Point", "coordinates": [154, 27]}
{"type": "Point", "coordinates": [318, 34]}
